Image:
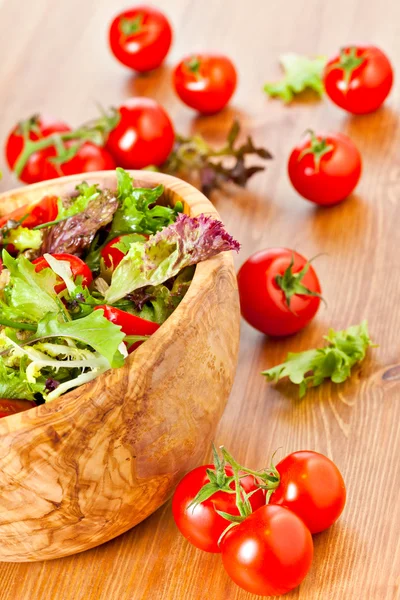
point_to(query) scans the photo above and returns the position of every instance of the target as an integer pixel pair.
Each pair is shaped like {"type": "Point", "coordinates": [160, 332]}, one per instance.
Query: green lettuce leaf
{"type": "Point", "coordinates": [310, 368]}
{"type": "Point", "coordinates": [138, 211]}
{"type": "Point", "coordinates": [23, 238]}
{"type": "Point", "coordinates": [301, 73]}
{"type": "Point", "coordinates": [29, 295]}
{"type": "Point", "coordinates": [14, 384]}
{"type": "Point", "coordinates": [186, 242]}
{"type": "Point", "coordinates": [94, 330]}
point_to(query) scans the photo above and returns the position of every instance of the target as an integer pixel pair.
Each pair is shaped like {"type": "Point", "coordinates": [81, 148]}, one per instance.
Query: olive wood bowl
{"type": "Point", "coordinates": [88, 466]}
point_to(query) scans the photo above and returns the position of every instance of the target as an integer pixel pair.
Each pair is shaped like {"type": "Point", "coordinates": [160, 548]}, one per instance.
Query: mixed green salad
{"type": "Point", "coordinates": [86, 279]}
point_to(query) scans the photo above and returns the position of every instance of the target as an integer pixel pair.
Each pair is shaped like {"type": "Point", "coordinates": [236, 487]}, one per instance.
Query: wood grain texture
{"type": "Point", "coordinates": [59, 63]}
{"type": "Point", "coordinates": [79, 471]}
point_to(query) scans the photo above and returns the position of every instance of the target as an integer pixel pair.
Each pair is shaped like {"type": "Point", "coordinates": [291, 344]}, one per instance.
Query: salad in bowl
{"type": "Point", "coordinates": [86, 279]}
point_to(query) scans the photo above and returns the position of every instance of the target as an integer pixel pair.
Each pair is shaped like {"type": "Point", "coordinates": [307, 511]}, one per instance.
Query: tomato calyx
{"type": "Point", "coordinates": [193, 65]}
{"type": "Point", "coordinates": [348, 62]}
{"type": "Point", "coordinates": [290, 283]}
{"type": "Point", "coordinates": [318, 148]}
{"type": "Point", "coordinates": [95, 131]}
{"type": "Point", "coordinates": [219, 481]}
{"type": "Point", "coordinates": [131, 26]}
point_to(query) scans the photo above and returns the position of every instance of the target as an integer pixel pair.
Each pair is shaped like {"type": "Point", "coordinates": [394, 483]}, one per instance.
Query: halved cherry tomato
{"type": "Point", "coordinates": [311, 486]}
{"type": "Point", "coordinates": [325, 169]}
{"type": "Point", "coordinates": [11, 407]}
{"type": "Point", "coordinates": [269, 553]}
{"type": "Point", "coordinates": [112, 256]}
{"type": "Point", "coordinates": [205, 82]}
{"type": "Point", "coordinates": [130, 324]}
{"type": "Point", "coordinates": [38, 164]}
{"type": "Point", "coordinates": [144, 135]}
{"type": "Point", "coordinates": [140, 38]}
{"type": "Point", "coordinates": [42, 212]}
{"type": "Point", "coordinates": [201, 524]}
{"type": "Point", "coordinates": [78, 268]}
{"type": "Point", "coordinates": [359, 79]}
{"type": "Point", "coordinates": [279, 291]}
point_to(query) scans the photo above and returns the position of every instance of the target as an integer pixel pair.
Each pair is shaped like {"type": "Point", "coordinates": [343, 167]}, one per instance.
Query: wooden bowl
{"type": "Point", "coordinates": [93, 463]}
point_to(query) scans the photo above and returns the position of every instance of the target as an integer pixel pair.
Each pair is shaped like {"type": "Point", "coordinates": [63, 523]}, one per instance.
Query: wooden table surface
{"type": "Point", "coordinates": [54, 59]}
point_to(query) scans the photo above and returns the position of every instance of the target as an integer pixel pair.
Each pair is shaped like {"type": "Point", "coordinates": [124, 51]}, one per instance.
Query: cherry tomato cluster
{"type": "Point", "coordinates": [260, 521]}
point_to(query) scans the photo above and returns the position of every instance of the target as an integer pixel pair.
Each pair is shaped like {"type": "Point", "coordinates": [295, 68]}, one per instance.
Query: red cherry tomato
{"type": "Point", "coordinates": [202, 525]}
{"type": "Point", "coordinates": [274, 303]}
{"type": "Point", "coordinates": [140, 38]}
{"type": "Point", "coordinates": [112, 256]}
{"type": "Point", "coordinates": [130, 324]}
{"type": "Point", "coordinates": [88, 157]}
{"type": "Point", "coordinates": [269, 553]}
{"type": "Point", "coordinates": [78, 269]}
{"type": "Point", "coordinates": [42, 212]}
{"type": "Point", "coordinates": [205, 82]}
{"type": "Point", "coordinates": [11, 407]}
{"type": "Point", "coordinates": [38, 163]}
{"type": "Point", "coordinates": [325, 169]}
{"type": "Point", "coordinates": [312, 487]}
{"type": "Point", "coordinates": [359, 79]}
{"type": "Point", "coordinates": [144, 135]}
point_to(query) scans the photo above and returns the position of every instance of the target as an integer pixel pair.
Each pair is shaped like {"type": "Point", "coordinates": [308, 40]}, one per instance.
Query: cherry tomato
{"type": "Point", "coordinates": [144, 135]}
{"type": "Point", "coordinates": [42, 212]}
{"type": "Point", "coordinates": [112, 256]}
{"type": "Point", "coordinates": [312, 487]}
{"type": "Point", "coordinates": [78, 269]}
{"type": "Point", "coordinates": [88, 157]}
{"type": "Point", "coordinates": [359, 79]}
{"type": "Point", "coordinates": [325, 169]}
{"type": "Point", "coordinates": [140, 38]}
{"type": "Point", "coordinates": [130, 324]}
{"type": "Point", "coordinates": [205, 82]}
{"type": "Point", "coordinates": [38, 163]}
{"type": "Point", "coordinates": [279, 291]}
{"type": "Point", "coordinates": [269, 553]}
{"type": "Point", "coordinates": [202, 525]}
{"type": "Point", "coordinates": [11, 407]}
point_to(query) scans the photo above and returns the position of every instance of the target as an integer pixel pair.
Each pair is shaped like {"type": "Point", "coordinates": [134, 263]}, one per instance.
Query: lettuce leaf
{"type": "Point", "coordinates": [138, 211]}
{"type": "Point", "coordinates": [94, 330]}
{"type": "Point", "coordinates": [23, 238]}
{"type": "Point", "coordinates": [186, 242]}
{"type": "Point", "coordinates": [301, 73]}
{"type": "Point", "coordinates": [14, 384]}
{"type": "Point", "coordinates": [29, 295]}
{"type": "Point", "coordinates": [310, 368]}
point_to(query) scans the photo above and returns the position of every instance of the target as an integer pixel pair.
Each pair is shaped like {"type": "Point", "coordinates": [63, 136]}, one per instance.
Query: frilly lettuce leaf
{"type": "Point", "coordinates": [310, 368]}
{"type": "Point", "coordinates": [14, 384]}
{"type": "Point", "coordinates": [186, 242]}
{"type": "Point", "coordinates": [300, 73]}
{"type": "Point", "coordinates": [138, 211]}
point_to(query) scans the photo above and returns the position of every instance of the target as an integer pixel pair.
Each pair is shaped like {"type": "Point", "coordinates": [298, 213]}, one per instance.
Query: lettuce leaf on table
{"type": "Point", "coordinates": [186, 242]}
{"type": "Point", "coordinates": [334, 361]}
{"type": "Point", "coordinates": [301, 73]}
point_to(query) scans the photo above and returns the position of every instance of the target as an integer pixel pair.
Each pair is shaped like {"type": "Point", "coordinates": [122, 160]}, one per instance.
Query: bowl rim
{"type": "Point", "coordinates": [195, 204]}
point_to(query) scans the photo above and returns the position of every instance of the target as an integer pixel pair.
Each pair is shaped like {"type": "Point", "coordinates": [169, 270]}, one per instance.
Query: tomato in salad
{"type": "Point", "coordinates": [144, 135]}
{"type": "Point", "coordinates": [201, 525]}
{"type": "Point", "coordinates": [140, 38]}
{"type": "Point", "coordinates": [11, 407]}
{"type": "Point", "coordinates": [279, 291]}
{"type": "Point", "coordinates": [130, 324]}
{"type": "Point", "coordinates": [38, 166]}
{"type": "Point", "coordinates": [205, 82]}
{"type": "Point", "coordinates": [359, 79]}
{"type": "Point", "coordinates": [78, 268]}
{"type": "Point", "coordinates": [112, 254]}
{"type": "Point", "coordinates": [269, 553]}
{"type": "Point", "coordinates": [32, 215]}
{"type": "Point", "coordinates": [311, 486]}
